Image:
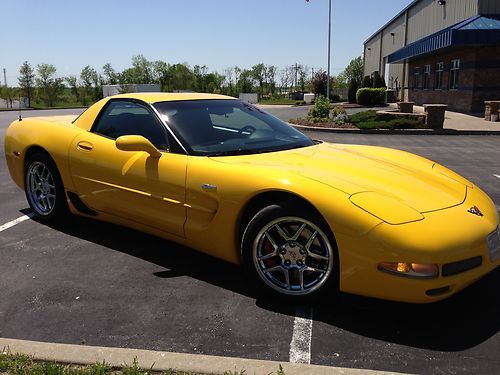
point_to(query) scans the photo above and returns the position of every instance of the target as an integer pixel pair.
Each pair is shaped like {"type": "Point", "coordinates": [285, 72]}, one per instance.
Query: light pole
{"type": "Point", "coordinates": [329, 39]}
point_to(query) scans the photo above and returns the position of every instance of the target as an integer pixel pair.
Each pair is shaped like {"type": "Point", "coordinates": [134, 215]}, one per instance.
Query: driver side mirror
{"type": "Point", "coordinates": [136, 143]}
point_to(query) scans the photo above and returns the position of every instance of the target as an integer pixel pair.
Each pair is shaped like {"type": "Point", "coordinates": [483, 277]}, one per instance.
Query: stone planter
{"type": "Point", "coordinates": [406, 107]}
{"type": "Point", "coordinates": [491, 107]}
{"type": "Point", "coordinates": [435, 115]}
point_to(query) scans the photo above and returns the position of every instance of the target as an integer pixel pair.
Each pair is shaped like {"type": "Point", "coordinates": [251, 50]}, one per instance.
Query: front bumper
{"type": "Point", "coordinates": [454, 238]}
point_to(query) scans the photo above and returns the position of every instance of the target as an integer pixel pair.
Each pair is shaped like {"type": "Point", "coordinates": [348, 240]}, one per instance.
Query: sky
{"type": "Point", "coordinates": [71, 34]}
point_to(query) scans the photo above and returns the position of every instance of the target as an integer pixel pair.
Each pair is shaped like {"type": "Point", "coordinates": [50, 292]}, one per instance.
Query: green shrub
{"type": "Point", "coordinates": [371, 120]}
{"type": "Point", "coordinates": [396, 123]}
{"type": "Point", "coordinates": [367, 82]}
{"type": "Point", "coordinates": [337, 110]}
{"type": "Point", "coordinates": [378, 81]}
{"type": "Point", "coordinates": [367, 96]}
{"type": "Point", "coordinates": [321, 110]}
{"type": "Point", "coordinates": [335, 98]}
{"type": "Point", "coordinates": [364, 116]}
{"type": "Point", "coordinates": [353, 89]}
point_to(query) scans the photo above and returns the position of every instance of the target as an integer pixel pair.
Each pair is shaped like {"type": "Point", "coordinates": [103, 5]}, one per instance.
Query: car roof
{"type": "Point", "coordinates": [154, 97]}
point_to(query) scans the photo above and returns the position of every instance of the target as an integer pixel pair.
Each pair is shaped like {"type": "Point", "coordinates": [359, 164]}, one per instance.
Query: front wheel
{"type": "Point", "coordinates": [290, 252]}
{"type": "Point", "coordinates": [44, 189]}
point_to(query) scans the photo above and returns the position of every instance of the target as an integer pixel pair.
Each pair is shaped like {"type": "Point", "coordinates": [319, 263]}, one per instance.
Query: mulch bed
{"type": "Point", "coordinates": [330, 124]}
{"type": "Point", "coordinates": [351, 105]}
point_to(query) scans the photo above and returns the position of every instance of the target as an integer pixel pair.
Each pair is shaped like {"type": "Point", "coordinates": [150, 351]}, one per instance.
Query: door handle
{"type": "Point", "coordinates": [84, 146]}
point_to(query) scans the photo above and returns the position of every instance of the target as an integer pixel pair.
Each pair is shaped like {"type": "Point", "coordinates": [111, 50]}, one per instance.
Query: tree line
{"type": "Point", "coordinates": [41, 84]}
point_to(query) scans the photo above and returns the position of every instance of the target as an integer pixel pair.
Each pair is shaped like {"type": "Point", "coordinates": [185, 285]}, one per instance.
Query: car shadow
{"type": "Point", "coordinates": [458, 323]}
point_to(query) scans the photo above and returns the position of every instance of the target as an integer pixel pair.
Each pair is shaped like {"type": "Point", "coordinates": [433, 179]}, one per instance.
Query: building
{"type": "Point", "coordinates": [440, 51]}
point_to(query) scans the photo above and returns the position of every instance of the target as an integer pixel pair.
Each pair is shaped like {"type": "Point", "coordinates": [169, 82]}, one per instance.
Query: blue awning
{"type": "Point", "coordinates": [475, 30]}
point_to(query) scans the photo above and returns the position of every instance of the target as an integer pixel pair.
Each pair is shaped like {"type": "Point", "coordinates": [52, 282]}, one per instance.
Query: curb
{"type": "Point", "coordinates": [397, 131]}
{"type": "Point", "coordinates": [163, 361]}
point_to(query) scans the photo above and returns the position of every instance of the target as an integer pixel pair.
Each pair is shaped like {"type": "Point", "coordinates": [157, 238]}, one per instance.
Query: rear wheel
{"type": "Point", "coordinates": [290, 252]}
{"type": "Point", "coordinates": [44, 189]}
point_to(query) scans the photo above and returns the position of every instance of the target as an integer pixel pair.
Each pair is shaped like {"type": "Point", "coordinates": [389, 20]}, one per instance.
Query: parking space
{"type": "Point", "coordinates": [87, 282]}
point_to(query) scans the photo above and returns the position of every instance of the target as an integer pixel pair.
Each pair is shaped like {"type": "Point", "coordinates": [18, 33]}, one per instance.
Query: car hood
{"type": "Point", "coordinates": [353, 169]}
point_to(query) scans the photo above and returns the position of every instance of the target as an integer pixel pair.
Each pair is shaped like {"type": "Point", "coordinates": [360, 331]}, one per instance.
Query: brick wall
{"type": "Point", "coordinates": [486, 76]}
{"type": "Point", "coordinates": [479, 78]}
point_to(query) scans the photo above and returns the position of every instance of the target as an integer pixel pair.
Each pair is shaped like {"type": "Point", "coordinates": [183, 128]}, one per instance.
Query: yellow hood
{"type": "Point", "coordinates": [406, 177]}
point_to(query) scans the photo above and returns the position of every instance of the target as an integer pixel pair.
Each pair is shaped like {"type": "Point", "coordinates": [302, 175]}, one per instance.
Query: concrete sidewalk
{"type": "Point", "coordinates": [461, 122]}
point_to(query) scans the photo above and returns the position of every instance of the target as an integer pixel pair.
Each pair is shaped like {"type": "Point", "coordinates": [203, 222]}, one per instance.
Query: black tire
{"type": "Point", "coordinates": [39, 188]}
{"type": "Point", "coordinates": [310, 260]}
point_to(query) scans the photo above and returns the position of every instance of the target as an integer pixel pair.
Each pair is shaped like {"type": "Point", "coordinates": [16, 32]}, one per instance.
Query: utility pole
{"type": "Point", "coordinates": [5, 77]}
{"type": "Point", "coordinates": [329, 39]}
{"type": "Point", "coordinates": [312, 78]}
{"type": "Point", "coordinates": [296, 80]}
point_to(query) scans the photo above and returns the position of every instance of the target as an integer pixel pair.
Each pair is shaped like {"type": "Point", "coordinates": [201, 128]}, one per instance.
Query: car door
{"type": "Point", "coordinates": [130, 184]}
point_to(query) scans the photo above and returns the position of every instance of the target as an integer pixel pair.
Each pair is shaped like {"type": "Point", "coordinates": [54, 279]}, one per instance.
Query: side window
{"type": "Point", "coordinates": [439, 76]}
{"type": "Point", "coordinates": [416, 78]}
{"type": "Point", "coordinates": [123, 117]}
{"type": "Point", "coordinates": [454, 71]}
{"type": "Point", "coordinates": [427, 75]}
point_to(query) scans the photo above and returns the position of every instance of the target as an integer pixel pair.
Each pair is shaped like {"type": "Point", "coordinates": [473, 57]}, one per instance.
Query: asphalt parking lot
{"type": "Point", "coordinates": [87, 282]}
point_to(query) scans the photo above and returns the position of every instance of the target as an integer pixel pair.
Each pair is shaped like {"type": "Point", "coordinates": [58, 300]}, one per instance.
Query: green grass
{"type": "Point", "coordinates": [370, 120]}
{"type": "Point", "coordinates": [19, 364]}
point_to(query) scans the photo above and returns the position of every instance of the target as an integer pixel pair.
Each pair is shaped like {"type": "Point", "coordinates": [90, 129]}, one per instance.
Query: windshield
{"type": "Point", "coordinates": [228, 127]}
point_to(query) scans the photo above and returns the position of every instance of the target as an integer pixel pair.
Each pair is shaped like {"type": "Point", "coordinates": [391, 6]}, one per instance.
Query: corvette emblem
{"type": "Point", "coordinates": [474, 210]}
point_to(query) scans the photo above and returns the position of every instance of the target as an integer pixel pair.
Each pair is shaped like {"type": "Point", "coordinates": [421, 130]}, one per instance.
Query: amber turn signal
{"type": "Point", "coordinates": [416, 270]}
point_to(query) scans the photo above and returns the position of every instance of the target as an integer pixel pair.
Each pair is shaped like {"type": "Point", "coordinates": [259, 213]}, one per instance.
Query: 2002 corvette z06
{"type": "Point", "coordinates": [224, 177]}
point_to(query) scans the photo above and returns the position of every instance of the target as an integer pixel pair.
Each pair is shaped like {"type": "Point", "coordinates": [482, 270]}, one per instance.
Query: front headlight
{"type": "Point", "coordinates": [413, 270]}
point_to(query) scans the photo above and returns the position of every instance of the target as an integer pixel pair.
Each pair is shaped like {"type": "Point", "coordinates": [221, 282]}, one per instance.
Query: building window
{"type": "Point", "coordinates": [427, 76]}
{"type": "Point", "coordinates": [439, 76]}
{"type": "Point", "coordinates": [416, 78]}
{"type": "Point", "coordinates": [454, 70]}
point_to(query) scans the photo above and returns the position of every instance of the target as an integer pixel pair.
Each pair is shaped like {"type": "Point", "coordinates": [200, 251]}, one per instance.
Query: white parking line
{"type": "Point", "coordinates": [300, 346]}
{"type": "Point", "coordinates": [15, 221]}
{"type": "Point", "coordinates": [496, 175]}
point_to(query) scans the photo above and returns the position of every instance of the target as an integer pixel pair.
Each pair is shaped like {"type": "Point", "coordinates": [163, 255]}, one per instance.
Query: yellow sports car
{"type": "Point", "coordinates": [224, 177]}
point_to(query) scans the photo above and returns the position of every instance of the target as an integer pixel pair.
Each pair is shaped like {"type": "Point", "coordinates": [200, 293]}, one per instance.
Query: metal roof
{"type": "Point", "coordinates": [474, 30]}
{"type": "Point", "coordinates": [392, 20]}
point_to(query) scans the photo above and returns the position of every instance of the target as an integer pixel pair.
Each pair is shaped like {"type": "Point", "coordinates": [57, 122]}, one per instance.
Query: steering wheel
{"type": "Point", "coordinates": [247, 130]}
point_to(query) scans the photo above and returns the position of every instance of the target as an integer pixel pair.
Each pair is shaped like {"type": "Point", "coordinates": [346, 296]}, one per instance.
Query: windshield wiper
{"type": "Point", "coordinates": [246, 151]}
{"type": "Point", "coordinates": [240, 151]}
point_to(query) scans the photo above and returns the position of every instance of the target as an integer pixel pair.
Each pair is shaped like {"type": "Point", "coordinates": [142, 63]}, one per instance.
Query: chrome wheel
{"type": "Point", "coordinates": [293, 256]}
{"type": "Point", "coordinates": [41, 189]}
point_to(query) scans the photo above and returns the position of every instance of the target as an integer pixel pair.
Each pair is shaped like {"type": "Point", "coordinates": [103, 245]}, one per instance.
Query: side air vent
{"type": "Point", "coordinates": [79, 205]}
